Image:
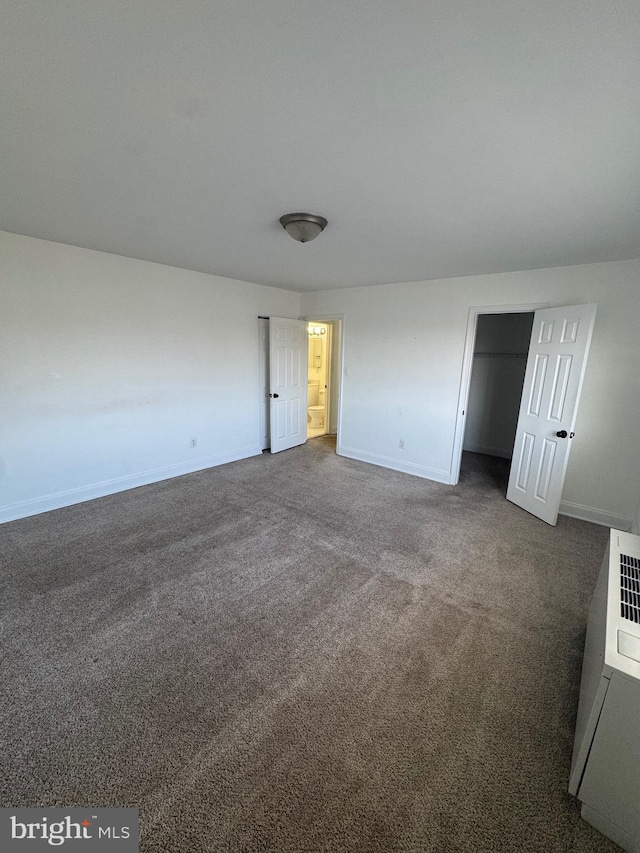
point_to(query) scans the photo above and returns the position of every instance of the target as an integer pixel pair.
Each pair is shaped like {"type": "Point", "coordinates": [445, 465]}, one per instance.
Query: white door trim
{"type": "Point", "coordinates": [465, 376]}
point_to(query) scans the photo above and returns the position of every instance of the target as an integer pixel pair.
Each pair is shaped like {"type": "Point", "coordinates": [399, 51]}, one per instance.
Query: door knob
{"type": "Point", "coordinates": [562, 433]}
{"type": "Point", "coordinates": [274, 395]}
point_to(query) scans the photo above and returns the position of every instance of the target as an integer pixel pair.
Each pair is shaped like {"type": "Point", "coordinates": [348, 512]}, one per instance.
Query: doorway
{"type": "Point", "coordinates": [555, 367]}
{"type": "Point", "coordinates": [475, 313]}
{"type": "Point", "coordinates": [324, 377]}
{"type": "Point", "coordinates": [500, 355]}
{"type": "Point", "coordinates": [318, 379]}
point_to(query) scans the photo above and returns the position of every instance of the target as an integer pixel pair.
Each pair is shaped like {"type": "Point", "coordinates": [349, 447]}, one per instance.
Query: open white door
{"type": "Point", "coordinates": [556, 364]}
{"type": "Point", "coordinates": [288, 352]}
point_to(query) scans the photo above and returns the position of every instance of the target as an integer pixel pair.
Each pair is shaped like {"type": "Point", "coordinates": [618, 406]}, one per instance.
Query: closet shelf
{"type": "Point", "coordinates": [500, 354]}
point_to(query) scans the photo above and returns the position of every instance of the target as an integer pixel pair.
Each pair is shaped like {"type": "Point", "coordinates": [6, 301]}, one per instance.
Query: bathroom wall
{"type": "Point", "coordinates": [499, 362]}
{"type": "Point", "coordinates": [318, 347]}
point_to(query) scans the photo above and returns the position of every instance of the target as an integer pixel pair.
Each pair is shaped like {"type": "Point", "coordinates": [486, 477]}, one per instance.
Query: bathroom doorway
{"type": "Point", "coordinates": [318, 379]}
{"type": "Point", "coordinates": [323, 376]}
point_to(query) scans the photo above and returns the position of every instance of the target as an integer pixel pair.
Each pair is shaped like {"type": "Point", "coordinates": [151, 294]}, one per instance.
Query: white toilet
{"type": "Point", "coordinates": [316, 413]}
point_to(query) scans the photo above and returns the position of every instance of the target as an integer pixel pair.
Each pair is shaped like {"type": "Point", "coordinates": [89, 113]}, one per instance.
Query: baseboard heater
{"type": "Point", "coordinates": [605, 771]}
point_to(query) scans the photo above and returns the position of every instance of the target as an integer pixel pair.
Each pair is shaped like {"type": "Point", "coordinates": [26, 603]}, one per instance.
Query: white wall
{"type": "Point", "coordinates": [109, 366]}
{"type": "Point", "coordinates": [499, 362]}
{"type": "Point", "coordinates": [403, 352]}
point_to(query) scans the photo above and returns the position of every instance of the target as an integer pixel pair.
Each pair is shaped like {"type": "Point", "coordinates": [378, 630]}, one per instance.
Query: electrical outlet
{"type": "Point", "coordinates": [401, 444]}
{"type": "Point", "coordinates": [193, 442]}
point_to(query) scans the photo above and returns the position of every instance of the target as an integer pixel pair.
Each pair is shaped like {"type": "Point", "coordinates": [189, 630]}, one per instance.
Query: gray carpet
{"type": "Point", "coordinates": [301, 652]}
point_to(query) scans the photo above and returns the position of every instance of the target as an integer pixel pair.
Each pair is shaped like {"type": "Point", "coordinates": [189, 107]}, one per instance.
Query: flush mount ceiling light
{"type": "Point", "coordinates": [303, 227]}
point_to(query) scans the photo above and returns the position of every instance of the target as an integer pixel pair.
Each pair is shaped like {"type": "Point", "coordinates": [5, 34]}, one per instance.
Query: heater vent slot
{"type": "Point", "coordinates": [630, 588]}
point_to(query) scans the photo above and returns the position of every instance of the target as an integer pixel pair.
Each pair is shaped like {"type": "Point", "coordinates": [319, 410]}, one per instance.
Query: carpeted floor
{"type": "Point", "coordinates": [301, 652]}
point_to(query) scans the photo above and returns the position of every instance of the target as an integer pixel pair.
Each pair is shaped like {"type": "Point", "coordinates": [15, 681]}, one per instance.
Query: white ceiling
{"type": "Point", "coordinates": [439, 137]}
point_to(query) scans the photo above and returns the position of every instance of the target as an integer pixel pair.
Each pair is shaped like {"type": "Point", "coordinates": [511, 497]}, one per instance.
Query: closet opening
{"type": "Point", "coordinates": [497, 377]}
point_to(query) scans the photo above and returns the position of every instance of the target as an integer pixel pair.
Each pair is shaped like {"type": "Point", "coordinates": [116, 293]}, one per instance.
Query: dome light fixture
{"type": "Point", "coordinates": [303, 227]}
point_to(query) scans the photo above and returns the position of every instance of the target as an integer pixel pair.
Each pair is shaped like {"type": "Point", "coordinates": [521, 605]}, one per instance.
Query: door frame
{"type": "Point", "coordinates": [337, 353]}
{"type": "Point", "coordinates": [467, 367]}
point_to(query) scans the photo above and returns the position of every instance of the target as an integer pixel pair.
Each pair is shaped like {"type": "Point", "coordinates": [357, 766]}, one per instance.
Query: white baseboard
{"type": "Point", "coordinates": [574, 510]}
{"type": "Point", "coordinates": [34, 506]}
{"type": "Point", "coordinates": [597, 516]}
{"type": "Point", "coordinates": [394, 464]}
{"type": "Point", "coordinates": [488, 450]}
